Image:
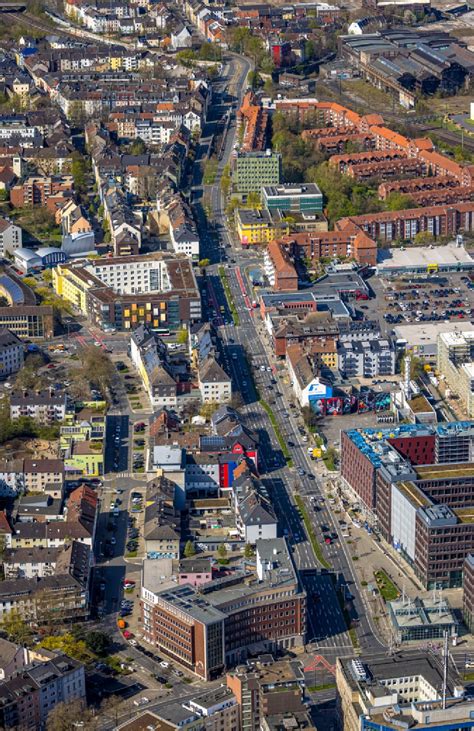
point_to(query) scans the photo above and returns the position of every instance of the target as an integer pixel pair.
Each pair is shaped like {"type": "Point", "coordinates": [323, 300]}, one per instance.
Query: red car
{"type": "Point", "coordinates": [127, 634]}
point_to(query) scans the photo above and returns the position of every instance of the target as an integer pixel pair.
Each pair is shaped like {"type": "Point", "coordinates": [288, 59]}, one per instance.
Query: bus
{"type": "Point", "coordinates": [163, 332]}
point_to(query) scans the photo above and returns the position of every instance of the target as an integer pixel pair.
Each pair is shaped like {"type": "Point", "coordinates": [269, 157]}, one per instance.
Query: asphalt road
{"type": "Point", "coordinates": [238, 346]}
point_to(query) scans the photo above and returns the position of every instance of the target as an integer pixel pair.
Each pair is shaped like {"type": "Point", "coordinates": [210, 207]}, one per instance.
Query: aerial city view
{"type": "Point", "coordinates": [236, 365]}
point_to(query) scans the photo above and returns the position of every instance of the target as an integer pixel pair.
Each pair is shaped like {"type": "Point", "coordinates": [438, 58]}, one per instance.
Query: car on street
{"type": "Point", "coordinates": [301, 472]}
{"type": "Point", "coordinates": [164, 664]}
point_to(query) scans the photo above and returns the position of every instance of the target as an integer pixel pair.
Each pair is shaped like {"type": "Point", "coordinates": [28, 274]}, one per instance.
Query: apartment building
{"type": "Point", "coordinates": [12, 353]}
{"type": "Point", "coordinates": [11, 237]}
{"type": "Point", "coordinates": [366, 358]}
{"type": "Point", "coordinates": [455, 361]}
{"type": "Point", "coordinates": [279, 268]}
{"type": "Point", "coordinates": [214, 383]}
{"type": "Point", "coordinates": [43, 406]}
{"type": "Point", "coordinates": [264, 688]}
{"type": "Point", "coordinates": [405, 224]}
{"type": "Point", "coordinates": [148, 355]}
{"type": "Point", "coordinates": [41, 191]}
{"type": "Point", "coordinates": [209, 629]}
{"type": "Point", "coordinates": [348, 242]}
{"type": "Point", "coordinates": [27, 698]}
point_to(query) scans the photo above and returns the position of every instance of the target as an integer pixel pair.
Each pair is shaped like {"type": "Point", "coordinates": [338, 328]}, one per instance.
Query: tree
{"type": "Point", "coordinates": [253, 200]}
{"type": "Point", "coordinates": [222, 553]}
{"type": "Point", "coordinates": [248, 551]}
{"type": "Point", "coordinates": [203, 263]}
{"type": "Point", "coordinates": [98, 642]}
{"type": "Point", "coordinates": [207, 409]}
{"type": "Point", "coordinates": [67, 643]}
{"type": "Point", "coordinates": [15, 627]}
{"type": "Point", "coordinates": [398, 201]}
{"type": "Point", "coordinates": [67, 716]}
{"type": "Point", "coordinates": [97, 367]}
{"type": "Point", "coordinates": [189, 549]}
{"type": "Point", "coordinates": [79, 173]}
{"type": "Point", "coordinates": [424, 237]}
{"type": "Point", "coordinates": [182, 336]}
{"type": "Point", "coordinates": [137, 147]}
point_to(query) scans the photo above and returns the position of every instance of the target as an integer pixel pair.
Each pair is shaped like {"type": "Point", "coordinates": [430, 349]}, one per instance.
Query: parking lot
{"type": "Point", "coordinates": [433, 299]}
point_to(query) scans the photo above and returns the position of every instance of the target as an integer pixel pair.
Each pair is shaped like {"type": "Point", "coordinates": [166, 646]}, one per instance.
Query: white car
{"type": "Point", "coordinates": [164, 664]}
{"type": "Point", "coordinates": [269, 369]}
{"type": "Point", "coordinates": [262, 367]}
{"type": "Point", "coordinates": [141, 701]}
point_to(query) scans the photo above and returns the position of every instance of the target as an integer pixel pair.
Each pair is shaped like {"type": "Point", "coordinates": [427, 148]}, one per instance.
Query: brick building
{"type": "Point", "coordinates": [212, 627]}
{"type": "Point", "coordinates": [468, 592]}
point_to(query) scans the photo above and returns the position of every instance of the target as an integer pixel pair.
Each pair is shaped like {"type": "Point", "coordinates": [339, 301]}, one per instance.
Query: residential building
{"type": "Point", "coordinates": [279, 269]}
{"type": "Point", "coordinates": [207, 631]}
{"type": "Point", "coordinates": [214, 383]}
{"type": "Point", "coordinates": [309, 387]}
{"type": "Point", "coordinates": [13, 658]}
{"type": "Point", "coordinates": [11, 353]}
{"type": "Point", "coordinates": [405, 688]}
{"type": "Point", "coordinates": [148, 355]}
{"type": "Point", "coordinates": [34, 598]}
{"type": "Point", "coordinates": [43, 406]}
{"type": "Point", "coordinates": [366, 359]}
{"type": "Point", "coordinates": [251, 170]}
{"type": "Point", "coordinates": [162, 525]}
{"type": "Point", "coordinates": [44, 475]}
{"type": "Point", "coordinates": [405, 224]}
{"type": "Point", "coordinates": [265, 687]}
{"type": "Point", "coordinates": [455, 362]}
{"type": "Point", "coordinates": [255, 517]}
{"type": "Point", "coordinates": [45, 191]}
{"type": "Point", "coordinates": [11, 237]}
{"type": "Point", "coordinates": [27, 698]}
{"type": "Point", "coordinates": [291, 198]}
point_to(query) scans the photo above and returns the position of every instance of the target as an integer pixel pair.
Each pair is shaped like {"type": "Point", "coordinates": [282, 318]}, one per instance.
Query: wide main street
{"type": "Point", "coordinates": [246, 356]}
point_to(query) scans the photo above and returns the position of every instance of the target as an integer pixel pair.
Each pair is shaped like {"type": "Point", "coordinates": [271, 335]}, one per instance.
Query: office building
{"type": "Point", "coordinates": [455, 361]}
{"type": "Point", "coordinates": [251, 170]}
{"type": "Point", "coordinates": [401, 691]}
{"type": "Point", "coordinates": [256, 226]}
{"type": "Point", "coordinates": [468, 592]}
{"type": "Point", "coordinates": [124, 292]}
{"type": "Point", "coordinates": [291, 198]}
{"type": "Point", "coordinates": [421, 619]}
{"type": "Point", "coordinates": [209, 628]}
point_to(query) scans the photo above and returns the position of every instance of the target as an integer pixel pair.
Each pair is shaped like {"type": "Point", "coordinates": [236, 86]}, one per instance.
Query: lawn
{"type": "Point", "coordinates": [386, 587]}
{"type": "Point", "coordinates": [311, 534]}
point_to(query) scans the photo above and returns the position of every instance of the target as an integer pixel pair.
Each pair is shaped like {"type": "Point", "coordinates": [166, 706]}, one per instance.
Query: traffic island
{"type": "Point", "coordinates": [228, 294]}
